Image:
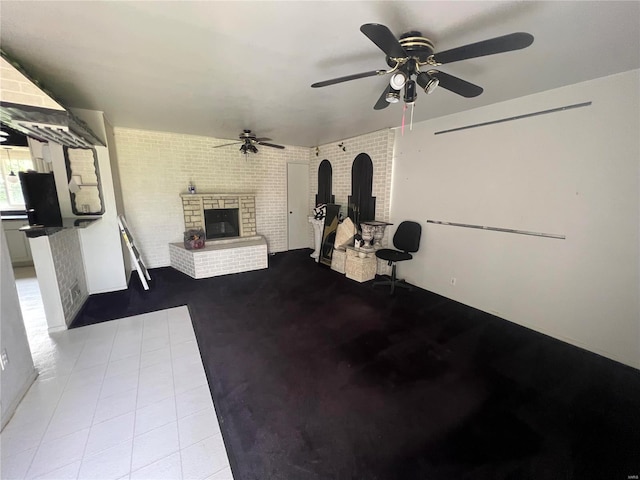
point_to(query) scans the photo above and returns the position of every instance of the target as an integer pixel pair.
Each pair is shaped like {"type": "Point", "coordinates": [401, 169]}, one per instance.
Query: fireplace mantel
{"type": "Point", "coordinates": [217, 195]}
{"type": "Point", "coordinates": [194, 205]}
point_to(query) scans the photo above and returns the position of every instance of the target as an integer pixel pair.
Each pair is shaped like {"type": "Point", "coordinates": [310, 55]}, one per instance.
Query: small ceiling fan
{"type": "Point", "coordinates": [412, 55]}
{"type": "Point", "coordinates": [248, 141]}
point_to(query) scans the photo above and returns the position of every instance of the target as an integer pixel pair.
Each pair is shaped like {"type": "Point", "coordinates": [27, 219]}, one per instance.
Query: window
{"type": "Point", "coordinates": [14, 159]}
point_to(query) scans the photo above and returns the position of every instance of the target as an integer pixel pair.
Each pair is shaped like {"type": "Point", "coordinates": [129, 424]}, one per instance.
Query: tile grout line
{"type": "Point", "coordinates": [85, 340]}
{"type": "Point", "coordinates": [153, 403]}
{"type": "Point", "coordinates": [84, 450]}
{"type": "Point", "coordinates": [175, 398]}
{"type": "Point", "coordinates": [135, 409]}
{"type": "Point", "coordinates": [55, 409]}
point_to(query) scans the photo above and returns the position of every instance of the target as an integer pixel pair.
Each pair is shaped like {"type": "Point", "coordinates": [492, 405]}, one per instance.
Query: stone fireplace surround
{"type": "Point", "coordinates": [194, 205]}
{"type": "Point", "coordinates": [222, 256]}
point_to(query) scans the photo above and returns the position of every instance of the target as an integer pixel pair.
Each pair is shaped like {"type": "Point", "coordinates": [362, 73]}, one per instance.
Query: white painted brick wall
{"type": "Point", "coordinates": [156, 167]}
{"type": "Point", "coordinates": [379, 146]}
{"type": "Point", "coordinates": [16, 88]}
{"type": "Point", "coordinates": [67, 259]}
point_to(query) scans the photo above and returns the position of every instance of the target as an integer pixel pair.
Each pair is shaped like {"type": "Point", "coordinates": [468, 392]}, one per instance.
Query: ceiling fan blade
{"type": "Point", "coordinates": [384, 39]}
{"type": "Point", "coordinates": [382, 101]}
{"type": "Point", "coordinates": [227, 144]}
{"type": "Point", "coordinates": [262, 139]}
{"type": "Point", "coordinates": [506, 43]}
{"type": "Point", "coordinates": [456, 85]}
{"type": "Point", "coordinates": [355, 76]}
{"type": "Point", "coordinates": [273, 145]}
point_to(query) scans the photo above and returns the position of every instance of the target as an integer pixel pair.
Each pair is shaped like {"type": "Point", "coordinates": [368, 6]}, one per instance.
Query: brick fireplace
{"type": "Point", "coordinates": [232, 244]}
{"type": "Point", "coordinates": [194, 206]}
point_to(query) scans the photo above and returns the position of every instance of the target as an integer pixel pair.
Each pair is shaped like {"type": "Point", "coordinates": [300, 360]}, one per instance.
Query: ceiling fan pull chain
{"type": "Point", "coordinates": [404, 109]}
{"type": "Point", "coordinates": [411, 121]}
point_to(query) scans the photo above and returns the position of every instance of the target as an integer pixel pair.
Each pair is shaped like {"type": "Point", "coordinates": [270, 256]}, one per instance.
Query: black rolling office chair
{"type": "Point", "coordinates": [406, 239]}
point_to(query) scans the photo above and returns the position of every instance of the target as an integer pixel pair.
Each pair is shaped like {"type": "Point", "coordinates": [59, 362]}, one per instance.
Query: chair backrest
{"type": "Point", "coordinates": [407, 236]}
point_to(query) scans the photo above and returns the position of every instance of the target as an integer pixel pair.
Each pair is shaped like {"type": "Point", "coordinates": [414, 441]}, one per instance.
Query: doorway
{"type": "Point", "coordinates": [299, 228]}
{"type": "Point", "coordinates": [15, 159]}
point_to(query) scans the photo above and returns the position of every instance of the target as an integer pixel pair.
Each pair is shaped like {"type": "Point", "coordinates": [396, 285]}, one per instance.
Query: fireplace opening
{"type": "Point", "coordinates": [221, 223]}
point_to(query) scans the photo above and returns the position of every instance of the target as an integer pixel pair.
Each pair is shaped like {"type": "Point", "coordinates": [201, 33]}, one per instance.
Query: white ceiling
{"type": "Point", "coordinates": [215, 68]}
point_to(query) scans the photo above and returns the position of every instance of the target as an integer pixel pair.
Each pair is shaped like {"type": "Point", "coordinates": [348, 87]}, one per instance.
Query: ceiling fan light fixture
{"type": "Point", "coordinates": [411, 51]}
{"type": "Point", "coordinates": [393, 96]}
{"type": "Point", "coordinates": [431, 85]}
{"type": "Point", "coordinates": [398, 80]}
{"type": "Point", "coordinates": [247, 147]}
{"type": "Point", "coordinates": [410, 94]}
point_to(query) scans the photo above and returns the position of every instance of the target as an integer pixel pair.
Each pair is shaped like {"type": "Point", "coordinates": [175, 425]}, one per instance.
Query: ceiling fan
{"type": "Point", "coordinates": [412, 55]}
{"type": "Point", "coordinates": [248, 141]}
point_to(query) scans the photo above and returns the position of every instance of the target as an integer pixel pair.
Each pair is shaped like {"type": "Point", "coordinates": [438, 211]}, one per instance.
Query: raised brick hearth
{"type": "Point", "coordinates": [243, 253]}
{"type": "Point", "coordinates": [220, 257]}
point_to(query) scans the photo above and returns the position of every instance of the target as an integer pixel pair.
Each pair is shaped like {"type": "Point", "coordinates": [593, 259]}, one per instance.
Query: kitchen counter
{"type": "Point", "coordinates": [15, 214]}
{"type": "Point", "coordinates": [33, 231]}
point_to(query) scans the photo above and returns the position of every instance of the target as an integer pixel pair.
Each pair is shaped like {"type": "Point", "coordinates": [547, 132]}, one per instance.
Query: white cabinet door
{"type": "Point", "coordinates": [18, 243]}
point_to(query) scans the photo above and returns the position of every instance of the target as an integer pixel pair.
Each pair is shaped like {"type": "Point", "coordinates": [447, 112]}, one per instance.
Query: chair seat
{"type": "Point", "coordinates": [392, 255]}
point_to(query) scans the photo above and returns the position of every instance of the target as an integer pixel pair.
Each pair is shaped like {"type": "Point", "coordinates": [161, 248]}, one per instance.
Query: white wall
{"type": "Point", "coordinates": [101, 244]}
{"type": "Point", "coordinates": [156, 167]}
{"type": "Point", "coordinates": [117, 188]}
{"type": "Point", "coordinates": [573, 173]}
{"type": "Point", "coordinates": [20, 372]}
{"type": "Point", "coordinates": [48, 283]}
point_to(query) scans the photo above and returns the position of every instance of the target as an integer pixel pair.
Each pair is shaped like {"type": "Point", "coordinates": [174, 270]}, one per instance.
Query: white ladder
{"type": "Point", "coordinates": [133, 251]}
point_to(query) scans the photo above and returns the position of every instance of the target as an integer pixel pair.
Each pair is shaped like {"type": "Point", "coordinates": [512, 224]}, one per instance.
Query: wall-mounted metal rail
{"type": "Point", "coordinates": [517, 117]}
{"type": "Point", "coordinates": [498, 229]}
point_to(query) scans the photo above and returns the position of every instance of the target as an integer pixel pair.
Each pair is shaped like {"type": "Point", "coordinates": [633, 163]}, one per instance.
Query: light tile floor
{"type": "Point", "coordinates": [125, 399]}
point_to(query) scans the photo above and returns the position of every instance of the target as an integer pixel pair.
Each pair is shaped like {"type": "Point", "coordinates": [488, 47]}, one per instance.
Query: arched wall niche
{"type": "Point", "coordinates": [362, 206]}
{"type": "Point", "coordinates": [325, 183]}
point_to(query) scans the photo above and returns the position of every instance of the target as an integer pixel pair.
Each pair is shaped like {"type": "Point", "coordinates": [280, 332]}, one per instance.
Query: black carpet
{"type": "Point", "coordinates": [315, 376]}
